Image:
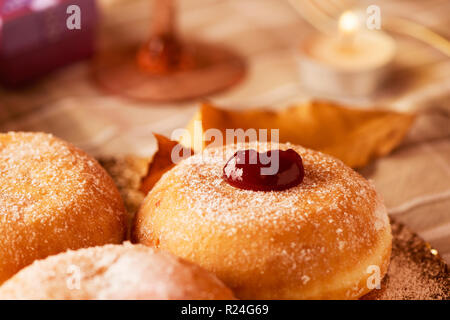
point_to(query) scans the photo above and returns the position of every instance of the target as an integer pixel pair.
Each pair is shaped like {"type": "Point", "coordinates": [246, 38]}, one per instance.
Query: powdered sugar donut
{"type": "Point", "coordinates": [114, 272]}
{"type": "Point", "coordinates": [53, 197]}
{"type": "Point", "coordinates": [328, 237]}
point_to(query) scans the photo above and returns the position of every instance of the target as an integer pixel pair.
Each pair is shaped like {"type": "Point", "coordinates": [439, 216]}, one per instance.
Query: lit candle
{"type": "Point", "coordinates": [348, 25]}
{"type": "Point", "coordinates": [354, 61]}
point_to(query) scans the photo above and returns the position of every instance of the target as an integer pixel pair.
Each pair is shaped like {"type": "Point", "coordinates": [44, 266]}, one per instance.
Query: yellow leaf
{"type": "Point", "coordinates": [161, 162]}
{"type": "Point", "coordinates": [355, 136]}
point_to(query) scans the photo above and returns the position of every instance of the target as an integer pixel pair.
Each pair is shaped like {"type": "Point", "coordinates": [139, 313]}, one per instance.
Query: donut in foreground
{"type": "Point", "coordinates": [328, 237]}
{"type": "Point", "coordinates": [53, 197]}
{"type": "Point", "coordinates": [114, 272]}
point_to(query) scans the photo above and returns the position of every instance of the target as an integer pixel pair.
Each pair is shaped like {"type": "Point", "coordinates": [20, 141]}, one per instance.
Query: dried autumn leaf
{"type": "Point", "coordinates": [355, 136]}
{"type": "Point", "coordinates": [161, 162]}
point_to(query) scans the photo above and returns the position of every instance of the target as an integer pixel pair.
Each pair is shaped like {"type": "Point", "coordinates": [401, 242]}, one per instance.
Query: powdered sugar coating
{"type": "Point", "coordinates": [328, 189]}
{"type": "Point", "coordinates": [114, 272]}
{"type": "Point", "coordinates": [53, 197]}
{"type": "Point", "coordinates": [333, 223]}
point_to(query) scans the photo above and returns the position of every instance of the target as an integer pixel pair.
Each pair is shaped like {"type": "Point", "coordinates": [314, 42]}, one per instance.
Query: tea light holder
{"type": "Point", "coordinates": [353, 62]}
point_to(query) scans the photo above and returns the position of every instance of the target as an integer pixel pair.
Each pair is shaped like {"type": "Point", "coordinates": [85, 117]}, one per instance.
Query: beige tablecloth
{"type": "Point", "coordinates": [414, 179]}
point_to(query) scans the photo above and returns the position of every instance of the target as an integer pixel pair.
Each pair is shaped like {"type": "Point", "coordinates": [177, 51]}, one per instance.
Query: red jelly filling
{"type": "Point", "coordinates": [265, 171]}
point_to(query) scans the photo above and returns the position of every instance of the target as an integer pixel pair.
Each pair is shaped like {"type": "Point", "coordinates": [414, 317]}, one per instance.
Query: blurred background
{"type": "Point", "coordinates": [78, 83]}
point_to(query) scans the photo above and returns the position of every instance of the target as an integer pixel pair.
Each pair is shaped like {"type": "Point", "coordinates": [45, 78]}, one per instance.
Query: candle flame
{"type": "Point", "coordinates": [348, 22]}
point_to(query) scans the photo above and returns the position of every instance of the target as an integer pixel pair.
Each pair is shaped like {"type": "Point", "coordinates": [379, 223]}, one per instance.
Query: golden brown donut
{"type": "Point", "coordinates": [317, 240]}
{"type": "Point", "coordinates": [53, 197]}
{"type": "Point", "coordinates": [114, 272]}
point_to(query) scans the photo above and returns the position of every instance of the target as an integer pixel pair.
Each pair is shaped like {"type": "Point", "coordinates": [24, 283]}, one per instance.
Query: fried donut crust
{"type": "Point", "coordinates": [53, 197]}
{"type": "Point", "coordinates": [327, 238]}
{"type": "Point", "coordinates": [114, 272]}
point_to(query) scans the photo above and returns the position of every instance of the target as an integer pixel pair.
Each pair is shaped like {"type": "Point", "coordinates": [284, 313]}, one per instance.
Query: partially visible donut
{"type": "Point", "coordinates": [53, 197]}
{"type": "Point", "coordinates": [114, 272]}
